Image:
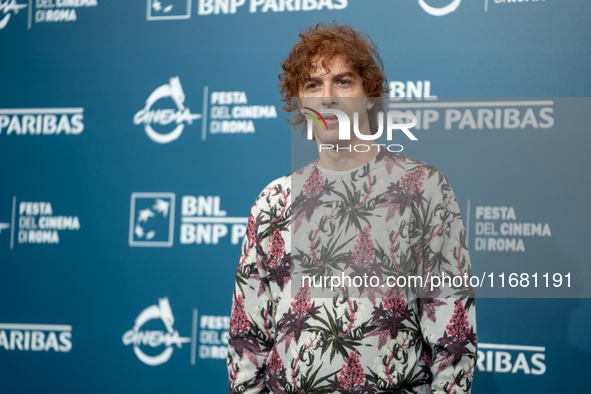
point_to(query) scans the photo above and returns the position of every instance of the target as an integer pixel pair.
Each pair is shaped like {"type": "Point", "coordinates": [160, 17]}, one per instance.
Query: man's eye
{"type": "Point", "coordinates": [311, 86]}
{"type": "Point", "coordinates": [344, 82]}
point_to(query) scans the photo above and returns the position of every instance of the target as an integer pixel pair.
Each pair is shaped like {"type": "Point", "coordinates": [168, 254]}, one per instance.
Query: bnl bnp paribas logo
{"type": "Point", "coordinates": [165, 115]}
{"type": "Point", "coordinates": [36, 337]}
{"type": "Point", "coordinates": [41, 121]}
{"type": "Point", "coordinates": [42, 11]}
{"type": "Point", "coordinates": [168, 9]}
{"type": "Point", "coordinates": [181, 9]}
{"type": "Point", "coordinates": [152, 224]}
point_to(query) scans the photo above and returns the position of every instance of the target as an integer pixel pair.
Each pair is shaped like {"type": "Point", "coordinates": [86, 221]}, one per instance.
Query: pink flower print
{"type": "Point", "coordinates": [394, 305]}
{"type": "Point", "coordinates": [314, 183]}
{"type": "Point", "coordinates": [301, 302]}
{"type": "Point", "coordinates": [276, 249]}
{"type": "Point", "coordinates": [251, 231]}
{"type": "Point", "coordinates": [458, 325]}
{"type": "Point", "coordinates": [352, 374]}
{"type": "Point", "coordinates": [413, 180]}
{"type": "Point", "coordinates": [239, 324]}
{"type": "Point", "coordinates": [363, 251]}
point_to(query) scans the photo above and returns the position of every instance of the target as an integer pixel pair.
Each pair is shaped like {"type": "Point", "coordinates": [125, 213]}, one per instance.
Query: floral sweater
{"type": "Point", "coordinates": [395, 217]}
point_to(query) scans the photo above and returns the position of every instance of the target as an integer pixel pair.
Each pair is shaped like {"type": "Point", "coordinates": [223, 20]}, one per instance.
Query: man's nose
{"type": "Point", "coordinates": [329, 97]}
{"type": "Point", "coordinates": [328, 102]}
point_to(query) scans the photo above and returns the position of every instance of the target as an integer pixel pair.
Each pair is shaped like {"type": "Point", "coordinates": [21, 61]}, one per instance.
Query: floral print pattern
{"type": "Point", "coordinates": [393, 216]}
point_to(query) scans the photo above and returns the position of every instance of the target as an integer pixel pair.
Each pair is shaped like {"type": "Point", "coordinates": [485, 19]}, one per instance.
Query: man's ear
{"type": "Point", "coordinates": [371, 102]}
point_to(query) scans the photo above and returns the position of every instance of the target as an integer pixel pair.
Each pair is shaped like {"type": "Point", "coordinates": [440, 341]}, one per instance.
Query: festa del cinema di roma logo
{"type": "Point", "coordinates": [171, 121]}
{"type": "Point", "coordinates": [155, 338]}
{"type": "Point", "coordinates": [7, 8]}
{"type": "Point", "coordinates": [44, 10]}
{"type": "Point", "coordinates": [439, 11]}
{"type": "Point", "coordinates": [154, 346]}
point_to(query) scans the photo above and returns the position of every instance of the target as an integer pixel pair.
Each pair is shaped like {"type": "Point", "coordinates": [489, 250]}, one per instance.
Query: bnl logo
{"type": "Point", "coordinates": [168, 9]}
{"type": "Point", "coordinates": [151, 220]}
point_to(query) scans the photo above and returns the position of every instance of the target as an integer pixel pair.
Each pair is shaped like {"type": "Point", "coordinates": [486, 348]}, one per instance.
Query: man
{"type": "Point", "coordinates": [355, 213]}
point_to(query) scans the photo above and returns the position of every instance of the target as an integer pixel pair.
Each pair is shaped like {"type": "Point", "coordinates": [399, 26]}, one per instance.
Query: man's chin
{"type": "Point", "coordinates": [343, 146]}
{"type": "Point", "coordinates": [330, 137]}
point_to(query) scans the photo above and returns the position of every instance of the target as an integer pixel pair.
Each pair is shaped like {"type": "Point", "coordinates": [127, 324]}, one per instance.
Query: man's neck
{"type": "Point", "coordinates": [346, 157]}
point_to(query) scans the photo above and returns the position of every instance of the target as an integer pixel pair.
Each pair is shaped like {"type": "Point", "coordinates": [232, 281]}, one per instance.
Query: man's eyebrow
{"type": "Point", "coordinates": [347, 74]}
{"type": "Point", "coordinates": [313, 79]}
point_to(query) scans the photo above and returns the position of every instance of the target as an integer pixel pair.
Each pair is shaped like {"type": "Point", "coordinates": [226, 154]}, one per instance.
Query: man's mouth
{"type": "Point", "coordinates": [331, 119]}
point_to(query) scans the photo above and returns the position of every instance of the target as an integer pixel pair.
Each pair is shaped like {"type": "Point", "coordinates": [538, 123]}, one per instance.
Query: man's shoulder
{"type": "Point", "coordinates": [414, 174]}
{"type": "Point", "coordinates": [276, 186]}
{"type": "Point", "coordinates": [284, 183]}
{"type": "Point", "coordinates": [406, 164]}
{"type": "Point", "coordinates": [278, 192]}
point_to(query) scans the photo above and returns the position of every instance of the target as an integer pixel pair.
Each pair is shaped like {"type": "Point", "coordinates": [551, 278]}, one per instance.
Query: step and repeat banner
{"type": "Point", "coordinates": [135, 135]}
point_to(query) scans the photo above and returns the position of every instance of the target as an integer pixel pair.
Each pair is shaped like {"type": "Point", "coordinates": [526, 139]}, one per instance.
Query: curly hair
{"type": "Point", "coordinates": [325, 42]}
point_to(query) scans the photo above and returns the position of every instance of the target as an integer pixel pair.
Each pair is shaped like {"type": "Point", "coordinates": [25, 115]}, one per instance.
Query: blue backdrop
{"type": "Point", "coordinates": [134, 137]}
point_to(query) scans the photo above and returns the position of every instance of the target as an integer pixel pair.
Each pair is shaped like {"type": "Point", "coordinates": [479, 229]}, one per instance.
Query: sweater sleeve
{"type": "Point", "coordinates": [252, 326]}
{"type": "Point", "coordinates": [447, 315]}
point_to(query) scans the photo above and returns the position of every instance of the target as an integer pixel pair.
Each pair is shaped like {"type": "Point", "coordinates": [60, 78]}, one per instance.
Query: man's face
{"type": "Point", "coordinates": [340, 88]}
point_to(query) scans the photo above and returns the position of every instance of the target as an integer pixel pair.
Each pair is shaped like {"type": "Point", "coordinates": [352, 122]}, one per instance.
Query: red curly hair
{"type": "Point", "coordinates": [325, 42]}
